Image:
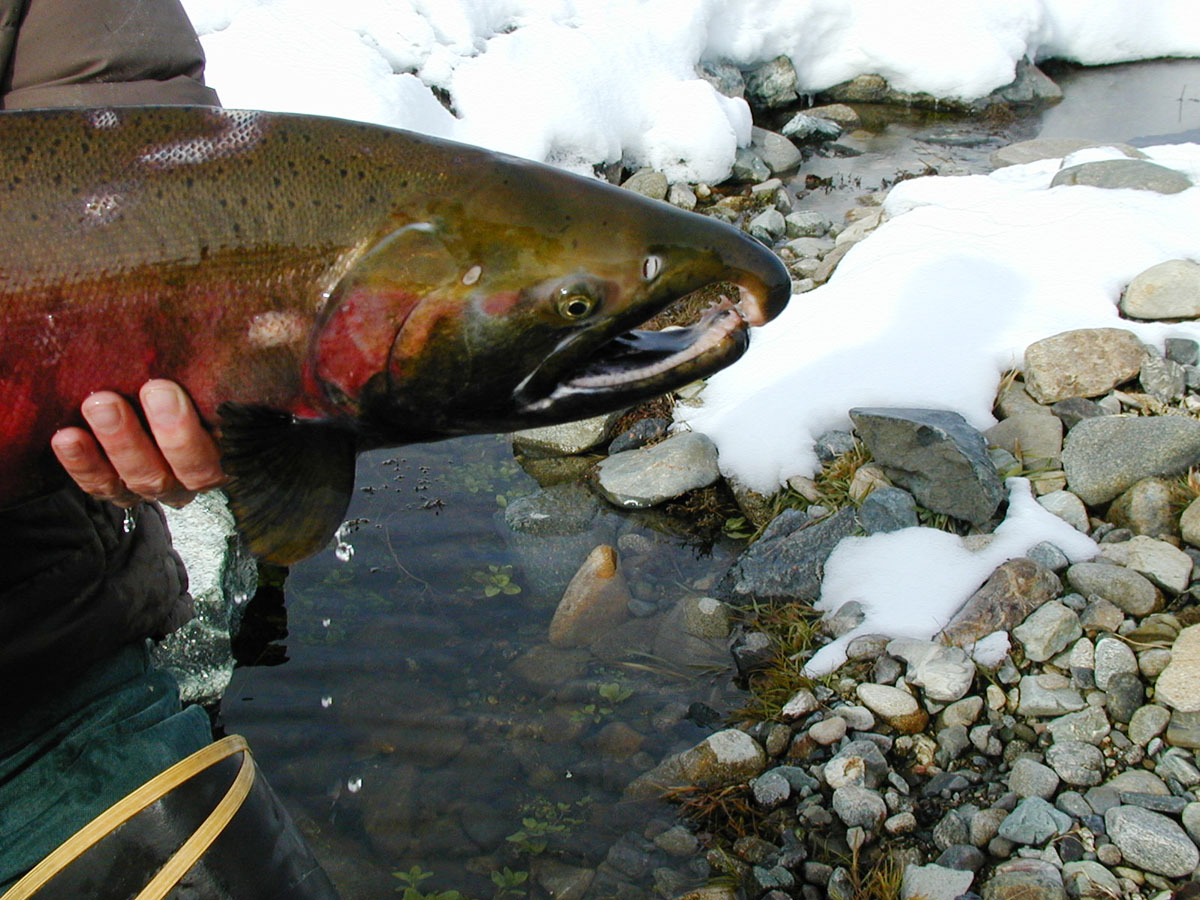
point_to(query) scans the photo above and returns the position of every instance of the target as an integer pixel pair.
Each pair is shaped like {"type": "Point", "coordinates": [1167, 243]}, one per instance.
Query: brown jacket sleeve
{"type": "Point", "coordinates": [99, 53]}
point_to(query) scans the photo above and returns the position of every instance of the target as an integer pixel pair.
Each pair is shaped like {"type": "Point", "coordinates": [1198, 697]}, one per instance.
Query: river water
{"type": "Point", "coordinates": [419, 719]}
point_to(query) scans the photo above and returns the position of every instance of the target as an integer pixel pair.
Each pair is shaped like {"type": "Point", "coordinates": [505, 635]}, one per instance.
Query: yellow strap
{"type": "Point", "coordinates": [134, 802]}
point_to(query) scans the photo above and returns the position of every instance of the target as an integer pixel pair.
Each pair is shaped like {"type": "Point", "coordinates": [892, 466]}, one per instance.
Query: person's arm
{"type": "Point", "coordinates": [118, 461]}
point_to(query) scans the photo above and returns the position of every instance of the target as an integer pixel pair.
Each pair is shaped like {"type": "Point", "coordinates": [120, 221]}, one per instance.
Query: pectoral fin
{"type": "Point", "coordinates": [290, 482]}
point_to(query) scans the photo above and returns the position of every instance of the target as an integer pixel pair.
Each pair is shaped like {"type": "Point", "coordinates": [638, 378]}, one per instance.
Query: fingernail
{"type": "Point", "coordinates": [67, 448]}
{"type": "Point", "coordinates": [102, 415]}
{"type": "Point", "coordinates": [162, 404]}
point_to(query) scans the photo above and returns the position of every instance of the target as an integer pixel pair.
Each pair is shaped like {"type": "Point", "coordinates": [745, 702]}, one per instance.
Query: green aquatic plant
{"type": "Point", "coordinates": [509, 883]}
{"type": "Point", "coordinates": [542, 819]}
{"type": "Point", "coordinates": [611, 693]}
{"type": "Point", "coordinates": [410, 886]}
{"type": "Point", "coordinates": [496, 580]}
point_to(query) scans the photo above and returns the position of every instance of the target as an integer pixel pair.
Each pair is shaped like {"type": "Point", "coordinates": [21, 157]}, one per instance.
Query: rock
{"type": "Point", "coordinates": [861, 89]}
{"type": "Point", "coordinates": [641, 478]}
{"type": "Point", "coordinates": [1189, 523]}
{"type": "Point", "coordinates": [859, 763]}
{"type": "Point", "coordinates": [934, 882]}
{"type": "Point", "coordinates": [1032, 437]}
{"type": "Point", "coordinates": [1179, 684]}
{"type": "Point", "coordinates": [1049, 148]}
{"type": "Point", "coordinates": [1034, 821]}
{"type": "Point", "coordinates": [748, 166]}
{"type": "Point", "coordinates": [772, 84]}
{"type": "Point", "coordinates": [888, 509]}
{"type": "Point", "coordinates": [786, 563]}
{"type": "Point", "coordinates": [725, 758]}
{"type": "Point", "coordinates": [1082, 363]}
{"type": "Point", "coordinates": [1124, 695]}
{"type": "Point", "coordinates": [682, 195]}
{"type": "Point", "coordinates": [1076, 762]}
{"type": "Point", "coordinates": [1046, 554]}
{"type": "Point", "coordinates": [567, 439]}
{"type": "Point", "coordinates": [779, 153]}
{"type": "Point", "coordinates": [1031, 85]}
{"type": "Point", "coordinates": [1088, 725]}
{"type": "Point", "coordinates": [771, 789]}
{"type": "Point", "coordinates": [1048, 631]}
{"type": "Point", "coordinates": [1123, 587]}
{"type": "Point", "coordinates": [704, 617]}
{"type": "Point", "coordinates": [546, 668]}
{"type": "Point", "coordinates": [1163, 379]}
{"type": "Point", "coordinates": [1147, 723]}
{"type": "Point", "coordinates": [1145, 508]}
{"type": "Point", "coordinates": [1013, 591]}
{"type": "Point", "coordinates": [1113, 657]}
{"type": "Point", "coordinates": [595, 602]}
{"type": "Point", "coordinates": [1025, 879]}
{"type": "Point", "coordinates": [560, 880]}
{"type": "Point", "coordinates": [1047, 695]}
{"type": "Point", "coordinates": [1138, 174]}
{"type": "Point", "coordinates": [1029, 778]}
{"type": "Point", "coordinates": [859, 806]}
{"type": "Point", "coordinates": [1088, 880]}
{"type": "Point", "coordinates": [937, 456]}
{"type": "Point", "coordinates": [1151, 841]}
{"type": "Point", "coordinates": [640, 433]}
{"type": "Point", "coordinates": [1166, 566]}
{"type": "Point", "coordinates": [1184, 729]}
{"type": "Point", "coordinates": [1184, 351]}
{"type": "Point", "coordinates": [806, 224]}
{"type": "Point", "coordinates": [1067, 507]}
{"type": "Point", "coordinates": [944, 673]}
{"type": "Point", "coordinates": [648, 183]}
{"type": "Point", "coordinates": [725, 77]}
{"type": "Point", "coordinates": [768, 226]}
{"type": "Point", "coordinates": [898, 708]}
{"type": "Point", "coordinates": [807, 127]}
{"type": "Point", "coordinates": [1074, 410]}
{"type": "Point", "coordinates": [802, 703]}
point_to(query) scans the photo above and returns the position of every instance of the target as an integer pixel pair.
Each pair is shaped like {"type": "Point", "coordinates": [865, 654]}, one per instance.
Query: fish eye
{"type": "Point", "coordinates": [576, 306]}
{"type": "Point", "coordinates": [651, 266]}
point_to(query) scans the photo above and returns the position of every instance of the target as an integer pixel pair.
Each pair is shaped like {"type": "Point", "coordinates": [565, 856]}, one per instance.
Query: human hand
{"type": "Point", "coordinates": [118, 461]}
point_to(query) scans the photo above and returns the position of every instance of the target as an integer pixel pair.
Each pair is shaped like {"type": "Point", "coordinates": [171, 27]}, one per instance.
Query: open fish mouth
{"type": "Point", "coordinates": [637, 364]}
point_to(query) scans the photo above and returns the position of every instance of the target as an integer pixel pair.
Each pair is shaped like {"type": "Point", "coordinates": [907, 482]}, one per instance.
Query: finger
{"type": "Point", "coordinates": [182, 439]}
{"type": "Point", "coordinates": [129, 448]}
{"type": "Point", "coordinates": [85, 462]}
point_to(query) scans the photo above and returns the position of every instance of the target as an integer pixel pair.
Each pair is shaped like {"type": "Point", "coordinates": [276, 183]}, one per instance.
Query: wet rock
{"type": "Point", "coordinates": [772, 84]}
{"type": "Point", "coordinates": [1120, 586]}
{"type": "Point", "coordinates": [547, 668]}
{"type": "Point", "coordinates": [779, 153]}
{"type": "Point", "coordinates": [1145, 508]}
{"type": "Point", "coordinates": [1031, 85]}
{"type": "Point", "coordinates": [768, 226]}
{"type": "Point", "coordinates": [1081, 363]}
{"type": "Point", "coordinates": [786, 563]}
{"type": "Point", "coordinates": [594, 603]}
{"type": "Point", "coordinates": [748, 166]}
{"type": "Point", "coordinates": [1166, 566]}
{"type": "Point", "coordinates": [674, 643]}
{"type": "Point", "coordinates": [641, 478]}
{"type": "Point", "coordinates": [1033, 437]}
{"type": "Point", "coordinates": [1049, 148]}
{"type": "Point", "coordinates": [861, 89]}
{"type": "Point", "coordinates": [727, 757]}
{"type": "Point", "coordinates": [807, 127]}
{"type": "Point", "coordinates": [1013, 591]}
{"type": "Point", "coordinates": [560, 880]}
{"type": "Point", "coordinates": [935, 882]}
{"type": "Point", "coordinates": [704, 617]}
{"type": "Point", "coordinates": [567, 439]}
{"type": "Point", "coordinates": [1048, 631]}
{"type": "Point", "coordinates": [1151, 841]}
{"type": "Point", "coordinates": [1136, 174]}
{"type": "Point", "coordinates": [1179, 684]}
{"type": "Point", "coordinates": [806, 224]}
{"type": "Point", "coordinates": [888, 509]}
{"type": "Point", "coordinates": [937, 456]}
{"type": "Point", "coordinates": [648, 183]}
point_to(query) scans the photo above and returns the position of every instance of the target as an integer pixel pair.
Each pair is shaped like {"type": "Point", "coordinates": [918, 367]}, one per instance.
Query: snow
{"type": "Point", "coordinates": [582, 82]}
{"type": "Point", "coordinates": [928, 311]}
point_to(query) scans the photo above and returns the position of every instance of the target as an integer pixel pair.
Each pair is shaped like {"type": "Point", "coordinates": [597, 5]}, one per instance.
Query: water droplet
{"type": "Point", "coordinates": [325, 622]}
{"type": "Point", "coordinates": [326, 702]}
{"type": "Point", "coordinates": [130, 522]}
{"type": "Point", "coordinates": [354, 785]}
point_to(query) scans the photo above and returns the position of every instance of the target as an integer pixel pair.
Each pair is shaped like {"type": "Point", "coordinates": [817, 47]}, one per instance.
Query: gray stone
{"type": "Point", "coordinates": [1088, 880]}
{"type": "Point", "coordinates": [682, 195]}
{"type": "Point", "coordinates": [1124, 695]}
{"type": "Point", "coordinates": [1012, 399]}
{"type": "Point", "coordinates": [1151, 841]}
{"type": "Point", "coordinates": [1162, 379]}
{"type": "Point", "coordinates": [748, 166]}
{"type": "Point", "coordinates": [1189, 523]}
{"type": "Point", "coordinates": [1191, 820]}
{"type": "Point", "coordinates": [1049, 148]}
{"type": "Point", "coordinates": [767, 226]}
{"type": "Point", "coordinates": [1179, 684]}
{"type": "Point", "coordinates": [1165, 565]}
{"type": "Point", "coordinates": [1047, 631]}
{"type": "Point", "coordinates": [944, 673]}
{"type": "Point", "coordinates": [1067, 507]}
{"type": "Point", "coordinates": [772, 84]}
{"type": "Point", "coordinates": [648, 183]}
{"type": "Point", "coordinates": [1074, 410]}
{"type": "Point", "coordinates": [1147, 723]}
{"type": "Point", "coordinates": [985, 825]}
{"type": "Point", "coordinates": [786, 563]}
{"type": "Point", "coordinates": [1076, 762]}
{"type": "Point", "coordinates": [641, 478]}
{"type": "Point", "coordinates": [858, 762]}
{"type": "Point", "coordinates": [806, 224]}
{"type": "Point", "coordinates": [1113, 656]}
{"type": "Point", "coordinates": [1145, 508]}
{"type": "Point", "coordinates": [896, 707]}
{"type": "Point", "coordinates": [1089, 725]}
{"type": "Point", "coordinates": [1034, 821]}
{"type": "Point", "coordinates": [1047, 695]}
{"type": "Point", "coordinates": [566, 439]}
{"type": "Point", "coordinates": [828, 731]}
{"type": "Point", "coordinates": [779, 153]}
{"type": "Point", "coordinates": [1029, 778]}
{"type": "Point", "coordinates": [725, 77]}
{"type": "Point", "coordinates": [1177, 765]}
{"type": "Point", "coordinates": [888, 509]}
{"type": "Point", "coordinates": [1046, 554]}
{"type": "Point", "coordinates": [934, 882]}
{"type": "Point", "coordinates": [1120, 586]}
{"type": "Point", "coordinates": [809, 246]}
{"type": "Point", "coordinates": [805, 127]}
{"type": "Point", "coordinates": [937, 456]}
{"type": "Point", "coordinates": [1085, 362]}
{"type": "Point", "coordinates": [1025, 879]}
{"type": "Point", "coordinates": [1032, 437]}
{"type": "Point", "coordinates": [1184, 351]}
{"type": "Point", "coordinates": [1136, 174]}
{"type": "Point", "coordinates": [771, 789]}
{"type": "Point", "coordinates": [727, 757]}
{"type": "Point", "coordinates": [640, 433]}
{"type": "Point", "coordinates": [1184, 730]}
{"type": "Point", "coordinates": [859, 806]}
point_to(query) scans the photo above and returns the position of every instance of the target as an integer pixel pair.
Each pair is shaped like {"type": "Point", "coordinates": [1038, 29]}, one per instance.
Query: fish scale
{"type": "Point", "coordinates": [320, 287]}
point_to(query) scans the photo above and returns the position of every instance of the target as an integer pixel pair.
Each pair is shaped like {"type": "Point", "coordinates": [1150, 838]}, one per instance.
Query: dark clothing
{"type": "Point", "coordinates": [99, 53]}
